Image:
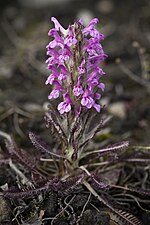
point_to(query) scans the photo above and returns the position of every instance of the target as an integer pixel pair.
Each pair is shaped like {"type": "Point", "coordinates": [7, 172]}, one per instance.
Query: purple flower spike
{"type": "Point", "coordinates": [74, 60]}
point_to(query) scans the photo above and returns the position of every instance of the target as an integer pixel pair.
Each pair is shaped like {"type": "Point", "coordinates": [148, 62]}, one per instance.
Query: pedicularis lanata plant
{"type": "Point", "coordinates": [74, 61]}
{"type": "Point", "coordinates": [74, 57]}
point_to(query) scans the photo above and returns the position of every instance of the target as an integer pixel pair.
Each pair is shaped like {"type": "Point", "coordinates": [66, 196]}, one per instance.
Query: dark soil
{"type": "Point", "coordinates": [23, 97]}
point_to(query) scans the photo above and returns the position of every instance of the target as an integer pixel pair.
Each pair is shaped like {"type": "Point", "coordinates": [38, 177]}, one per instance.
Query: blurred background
{"type": "Point", "coordinates": [23, 36]}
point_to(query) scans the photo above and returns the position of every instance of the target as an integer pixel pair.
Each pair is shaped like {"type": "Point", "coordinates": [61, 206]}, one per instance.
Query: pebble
{"type": "Point", "coordinates": [118, 109]}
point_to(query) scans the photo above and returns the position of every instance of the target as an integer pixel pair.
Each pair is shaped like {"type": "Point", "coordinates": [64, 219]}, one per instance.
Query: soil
{"type": "Point", "coordinates": [23, 99]}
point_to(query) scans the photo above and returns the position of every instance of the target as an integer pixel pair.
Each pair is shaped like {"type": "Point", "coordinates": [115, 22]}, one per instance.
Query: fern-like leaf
{"type": "Point", "coordinates": [113, 149]}
{"type": "Point", "coordinates": [64, 187]}
{"type": "Point", "coordinates": [129, 218]}
{"type": "Point", "coordinates": [23, 156]}
{"type": "Point", "coordinates": [71, 183]}
{"type": "Point", "coordinates": [41, 145]}
{"type": "Point", "coordinates": [17, 193]}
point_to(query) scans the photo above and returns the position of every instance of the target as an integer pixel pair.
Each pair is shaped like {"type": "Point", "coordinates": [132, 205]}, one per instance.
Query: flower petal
{"type": "Point", "coordinates": [58, 27]}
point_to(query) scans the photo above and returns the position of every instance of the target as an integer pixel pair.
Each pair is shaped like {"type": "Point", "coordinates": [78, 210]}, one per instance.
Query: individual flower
{"type": "Point", "coordinates": [77, 90]}
{"type": "Point", "coordinates": [63, 73]}
{"type": "Point", "coordinates": [87, 101]}
{"type": "Point", "coordinates": [52, 76]}
{"type": "Point", "coordinates": [65, 106]}
{"type": "Point", "coordinates": [90, 30]}
{"type": "Point", "coordinates": [56, 91]}
{"type": "Point", "coordinates": [54, 94]}
{"type": "Point", "coordinates": [81, 68]}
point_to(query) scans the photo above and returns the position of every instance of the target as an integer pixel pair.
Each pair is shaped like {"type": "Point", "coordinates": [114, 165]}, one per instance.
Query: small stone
{"type": "Point", "coordinates": [118, 109]}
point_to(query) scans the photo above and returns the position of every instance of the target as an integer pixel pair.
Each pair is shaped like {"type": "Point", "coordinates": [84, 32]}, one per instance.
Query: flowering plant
{"type": "Point", "coordinates": [74, 61]}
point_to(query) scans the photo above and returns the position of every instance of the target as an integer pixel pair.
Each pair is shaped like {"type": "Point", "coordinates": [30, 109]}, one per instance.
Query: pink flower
{"type": "Point", "coordinates": [77, 90]}
{"type": "Point", "coordinates": [50, 79]}
{"type": "Point", "coordinates": [52, 76]}
{"type": "Point", "coordinates": [81, 68]}
{"type": "Point", "coordinates": [87, 100]}
{"type": "Point", "coordinates": [54, 94]}
{"type": "Point", "coordinates": [63, 73]}
{"type": "Point", "coordinates": [89, 29]}
{"type": "Point", "coordinates": [65, 106]}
